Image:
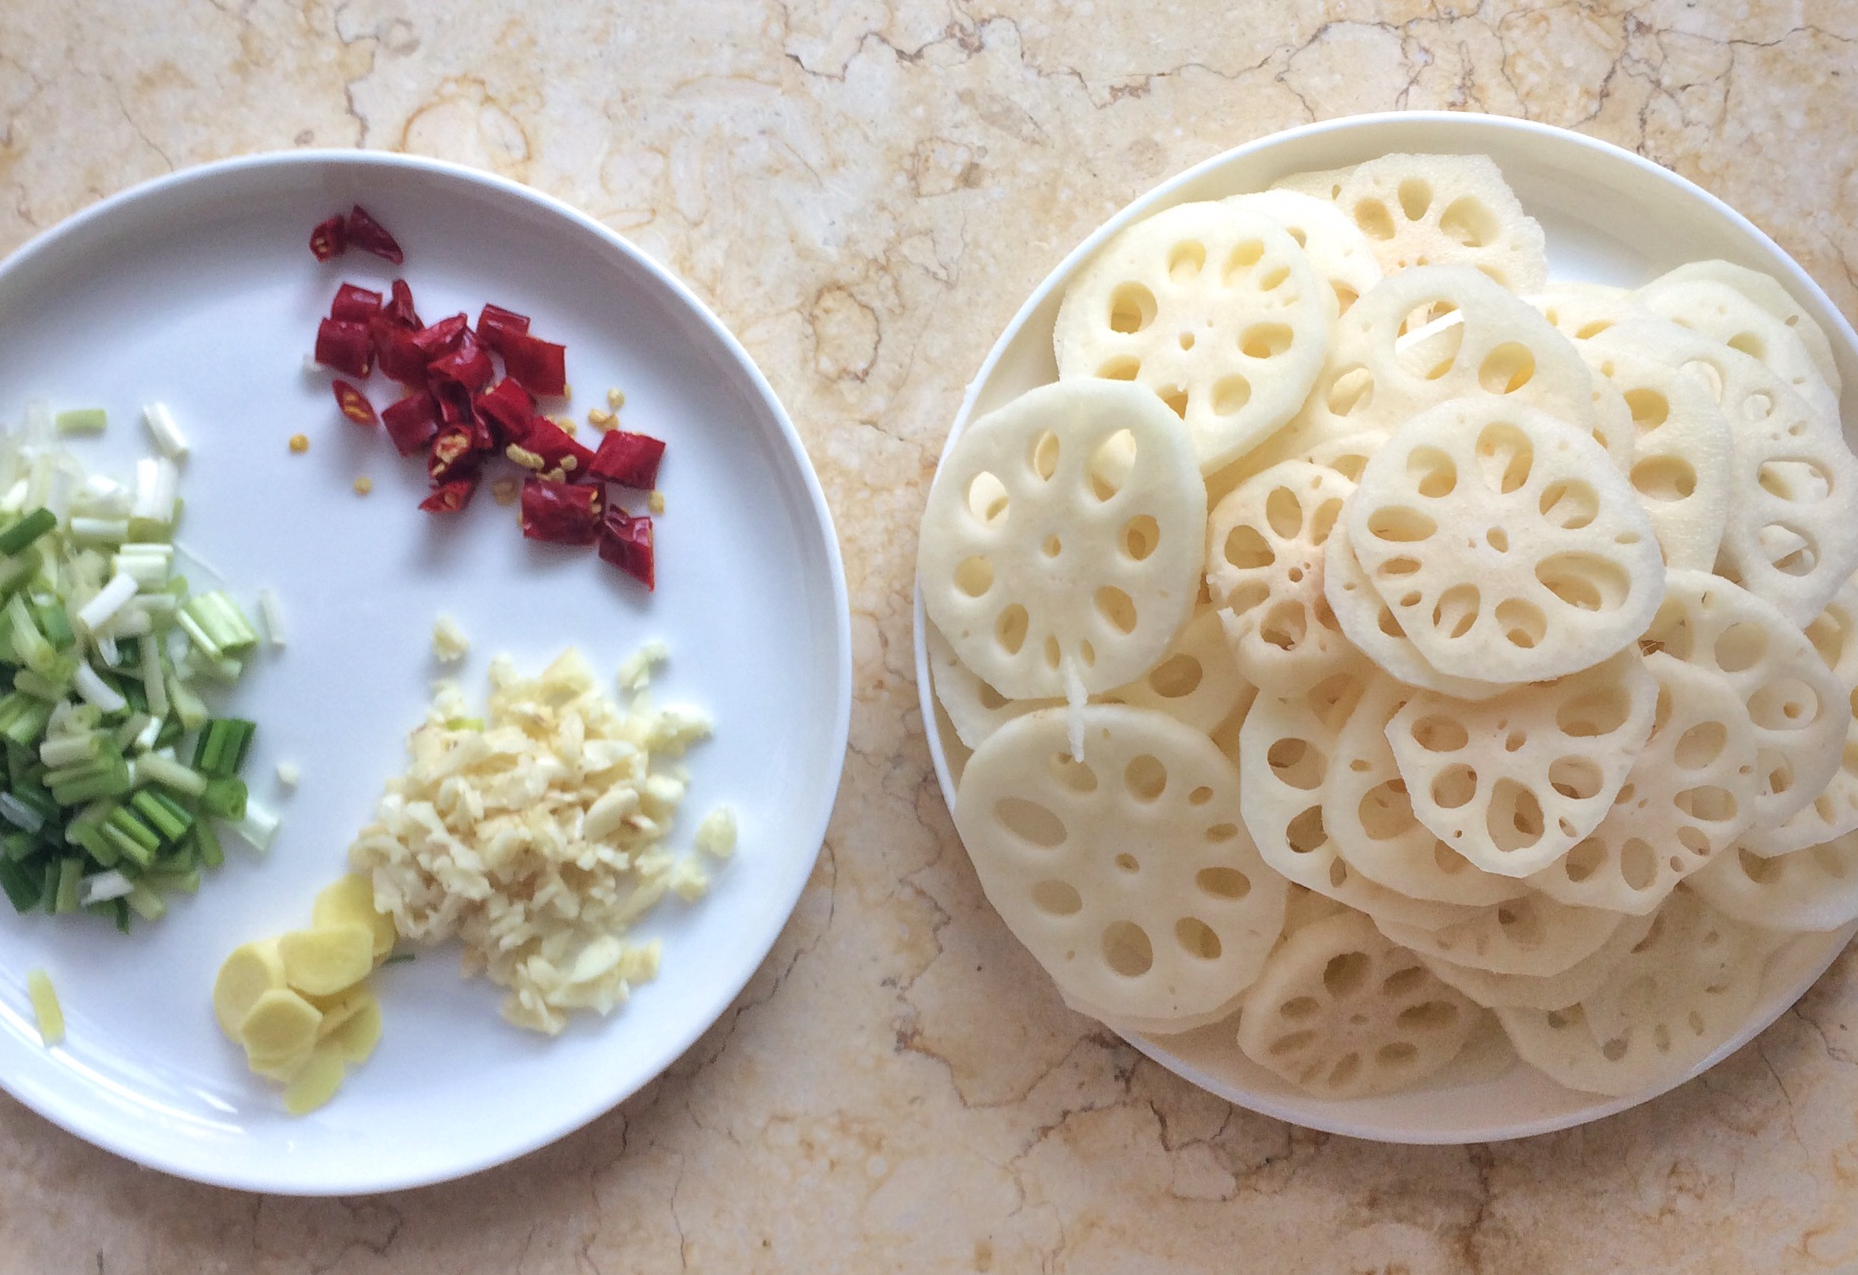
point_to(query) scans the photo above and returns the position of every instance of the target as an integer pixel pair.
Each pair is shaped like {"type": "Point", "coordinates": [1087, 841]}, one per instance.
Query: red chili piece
{"type": "Point", "coordinates": [400, 309]}
{"type": "Point", "coordinates": [541, 366]}
{"type": "Point", "coordinates": [452, 456]}
{"type": "Point", "coordinates": [560, 513]}
{"type": "Point", "coordinates": [450, 498]}
{"type": "Point", "coordinates": [401, 358]}
{"type": "Point", "coordinates": [369, 235]}
{"type": "Point", "coordinates": [467, 365]}
{"type": "Point", "coordinates": [412, 422]}
{"type": "Point", "coordinates": [329, 239]}
{"type": "Point", "coordinates": [631, 460]}
{"type": "Point", "coordinates": [345, 346]}
{"type": "Point", "coordinates": [495, 322]}
{"type": "Point", "coordinates": [626, 542]}
{"type": "Point", "coordinates": [354, 305]}
{"type": "Point", "coordinates": [558, 451]}
{"type": "Point", "coordinates": [355, 404]}
{"type": "Point", "coordinates": [508, 407]}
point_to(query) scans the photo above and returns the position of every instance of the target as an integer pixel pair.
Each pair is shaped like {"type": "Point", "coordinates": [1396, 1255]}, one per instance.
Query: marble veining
{"type": "Point", "coordinates": [865, 191]}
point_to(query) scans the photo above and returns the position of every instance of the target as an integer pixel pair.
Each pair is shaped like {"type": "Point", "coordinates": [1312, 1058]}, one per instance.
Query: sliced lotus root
{"type": "Point", "coordinates": [1369, 622]}
{"type": "Point", "coordinates": [1420, 210]}
{"type": "Point", "coordinates": [1212, 308]}
{"type": "Point", "coordinates": [1792, 532]}
{"type": "Point", "coordinates": [1341, 1012]}
{"type": "Point", "coordinates": [1766, 292]}
{"type": "Point", "coordinates": [1347, 455]}
{"type": "Point", "coordinates": [1690, 794]}
{"type": "Point", "coordinates": [1582, 312]}
{"type": "Point", "coordinates": [1138, 1025]}
{"type": "Point", "coordinates": [1723, 313]}
{"type": "Point", "coordinates": [1127, 875]}
{"type": "Point", "coordinates": [975, 709]}
{"type": "Point", "coordinates": [1514, 782]}
{"type": "Point", "coordinates": [1811, 889]}
{"type": "Point", "coordinates": [1047, 578]}
{"type": "Point", "coordinates": [1264, 570]}
{"type": "Point", "coordinates": [1505, 542]}
{"type": "Point", "coordinates": [1680, 453]}
{"type": "Point", "coordinates": [1682, 1020]}
{"type": "Point", "coordinates": [1322, 184]}
{"type": "Point", "coordinates": [1369, 815]}
{"type": "Point", "coordinates": [1799, 710]}
{"type": "Point", "coordinates": [1834, 812]}
{"type": "Point", "coordinates": [1285, 749]}
{"type": "Point", "coordinates": [1196, 681]}
{"type": "Point", "coordinates": [1532, 934]}
{"type": "Point", "coordinates": [1394, 357]}
{"type": "Point", "coordinates": [1338, 251]}
{"type": "Point", "coordinates": [1522, 991]}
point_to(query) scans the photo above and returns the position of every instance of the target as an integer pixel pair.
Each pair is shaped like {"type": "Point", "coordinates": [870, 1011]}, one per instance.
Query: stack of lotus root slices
{"type": "Point", "coordinates": [1366, 635]}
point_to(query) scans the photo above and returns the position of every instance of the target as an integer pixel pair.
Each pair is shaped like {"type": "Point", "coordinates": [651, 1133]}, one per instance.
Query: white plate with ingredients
{"type": "Point", "coordinates": [1609, 217]}
{"type": "Point", "coordinates": [199, 290]}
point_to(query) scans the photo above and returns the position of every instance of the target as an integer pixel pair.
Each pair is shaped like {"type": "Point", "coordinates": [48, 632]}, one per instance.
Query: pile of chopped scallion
{"type": "Point", "coordinates": [118, 780]}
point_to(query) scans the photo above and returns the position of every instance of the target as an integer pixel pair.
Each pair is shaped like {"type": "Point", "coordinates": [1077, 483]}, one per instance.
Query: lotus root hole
{"type": "Point", "coordinates": [1454, 786]}
{"type": "Point", "coordinates": [1010, 628]}
{"type": "Point", "coordinates": [1664, 479]}
{"type": "Point", "coordinates": [1295, 1042]}
{"type": "Point", "coordinates": [1057, 898]}
{"type": "Point", "coordinates": [1440, 733]}
{"type": "Point", "coordinates": [1243, 257]}
{"type": "Point", "coordinates": [1246, 549]}
{"type": "Point", "coordinates": [1145, 777]}
{"type": "Point", "coordinates": [1706, 372]}
{"type": "Point", "coordinates": [1186, 260]}
{"type": "Point", "coordinates": [1197, 938]}
{"type": "Point", "coordinates": [1507, 368]}
{"type": "Point", "coordinates": [1584, 581]}
{"type": "Point", "coordinates": [1430, 357]}
{"type": "Point", "coordinates": [1396, 1053]}
{"type": "Point", "coordinates": [1374, 219]}
{"type": "Point", "coordinates": [1346, 974]}
{"type": "Point", "coordinates": [1576, 778]}
{"type": "Point", "coordinates": [1266, 340]}
{"type": "Point", "coordinates": [1707, 803]}
{"type": "Point", "coordinates": [1141, 536]}
{"type": "Point", "coordinates": [1052, 547]}
{"type": "Point", "coordinates": [1127, 863]}
{"type": "Point", "coordinates": [1415, 198]}
{"type": "Point", "coordinates": [1471, 222]}
{"type": "Point", "coordinates": [1228, 884]}
{"type": "Point", "coordinates": [1385, 811]}
{"type": "Point", "coordinates": [1497, 538]}
{"type": "Point", "coordinates": [1741, 646]}
{"type": "Point", "coordinates": [1784, 704]}
{"type": "Point", "coordinates": [1599, 712]}
{"type": "Point", "coordinates": [1749, 344]}
{"type": "Point", "coordinates": [1638, 864]}
{"type": "Point", "coordinates": [1116, 607]}
{"type": "Point", "coordinates": [1176, 677]}
{"type": "Point", "coordinates": [1187, 340]}
{"type": "Point", "coordinates": [1514, 741]}
{"type": "Point", "coordinates": [1400, 524]}
{"type": "Point", "coordinates": [1299, 1008]}
{"type": "Point", "coordinates": [1176, 399]}
{"type": "Point", "coordinates": [1514, 816]}
{"type": "Point", "coordinates": [1200, 796]}
{"type": "Point", "coordinates": [1045, 455]}
{"type": "Point", "coordinates": [1569, 504]}
{"type": "Point", "coordinates": [1521, 923]}
{"type": "Point", "coordinates": [1284, 626]}
{"type": "Point", "coordinates": [1030, 821]}
{"type": "Point", "coordinates": [991, 700]}
{"type": "Point", "coordinates": [1352, 390]}
{"type": "Point", "coordinates": [1072, 775]}
{"type": "Point", "coordinates": [974, 576]}
{"type": "Point", "coordinates": [1649, 408]}
{"type": "Point", "coordinates": [1296, 763]}
{"type": "Point", "coordinates": [1087, 653]}
{"type": "Point", "coordinates": [1053, 655]}
{"type": "Point", "coordinates": [1220, 833]}
{"type": "Point", "coordinates": [1456, 611]}
{"type": "Point", "coordinates": [1306, 832]}
{"type": "Point", "coordinates": [1432, 472]}
{"type": "Point", "coordinates": [1123, 367]}
{"type": "Point", "coordinates": [1802, 482]}
{"type": "Point", "coordinates": [1505, 456]}
{"type": "Point", "coordinates": [1429, 1016]}
{"type": "Point", "coordinates": [1583, 860]}
{"type": "Point", "coordinates": [1230, 395]}
{"type": "Point", "coordinates": [1395, 568]}
{"type": "Point", "coordinates": [987, 499]}
{"type": "Point", "coordinates": [1132, 307]}
{"type": "Point", "coordinates": [1346, 1068]}
{"type": "Point", "coordinates": [1126, 949]}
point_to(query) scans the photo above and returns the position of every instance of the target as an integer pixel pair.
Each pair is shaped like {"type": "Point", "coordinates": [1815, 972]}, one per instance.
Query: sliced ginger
{"type": "Point", "coordinates": [300, 1003]}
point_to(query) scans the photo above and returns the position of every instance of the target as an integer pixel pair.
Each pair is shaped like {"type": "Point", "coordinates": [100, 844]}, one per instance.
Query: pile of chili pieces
{"type": "Point", "coordinates": [461, 414]}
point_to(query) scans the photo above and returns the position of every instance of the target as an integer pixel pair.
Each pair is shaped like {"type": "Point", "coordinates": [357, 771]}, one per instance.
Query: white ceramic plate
{"type": "Point", "coordinates": [200, 290]}
{"type": "Point", "coordinates": [1610, 217]}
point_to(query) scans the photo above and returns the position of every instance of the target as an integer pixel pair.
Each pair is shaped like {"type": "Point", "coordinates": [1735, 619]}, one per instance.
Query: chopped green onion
{"type": "Point", "coordinates": [82, 420]}
{"type": "Point", "coordinates": [70, 872]}
{"type": "Point", "coordinates": [257, 827]}
{"type": "Point", "coordinates": [26, 530]}
{"type": "Point", "coordinates": [205, 844]}
{"type": "Point", "coordinates": [217, 625]}
{"type": "Point", "coordinates": [146, 903]}
{"type": "Point", "coordinates": [164, 770]}
{"type": "Point", "coordinates": [21, 885]}
{"type": "Point", "coordinates": [225, 798]}
{"type": "Point", "coordinates": [223, 745]}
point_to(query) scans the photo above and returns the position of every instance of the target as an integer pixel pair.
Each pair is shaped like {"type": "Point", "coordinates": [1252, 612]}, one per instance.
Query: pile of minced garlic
{"type": "Point", "coordinates": [536, 834]}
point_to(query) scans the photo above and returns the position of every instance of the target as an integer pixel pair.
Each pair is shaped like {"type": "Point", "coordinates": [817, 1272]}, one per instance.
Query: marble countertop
{"type": "Point", "coordinates": [865, 191]}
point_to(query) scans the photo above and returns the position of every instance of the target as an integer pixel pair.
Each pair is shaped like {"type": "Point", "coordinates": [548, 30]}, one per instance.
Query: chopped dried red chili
{"type": "Point", "coordinates": [329, 239]}
{"type": "Point", "coordinates": [560, 513]}
{"type": "Point", "coordinates": [401, 358]}
{"type": "Point", "coordinates": [344, 346]}
{"type": "Point", "coordinates": [450, 498]}
{"type": "Point", "coordinates": [467, 364]}
{"type": "Point", "coordinates": [453, 455]}
{"type": "Point", "coordinates": [508, 407]}
{"type": "Point", "coordinates": [541, 366]}
{"type": "Point", "coordinates": [355, 404]}
{"type": "Point", "coordinates": [354, 304]}
{"type": "Point", "coordinates": [494, 322]}
{"type": "Point", "coordinates": [400, 309]}
{"type": "Point", "coordinates": [439, 339]}
{"type": "Point", "coordinates": [412, 422]}
{"type": "Point", "coordinates": [558, 451]}
{"type": "Point", "coordinates": [631, 460]}
{"type": "Point", "coordinates": [369, 235]}
{"type": "Point", "coordinates": [626, 542]}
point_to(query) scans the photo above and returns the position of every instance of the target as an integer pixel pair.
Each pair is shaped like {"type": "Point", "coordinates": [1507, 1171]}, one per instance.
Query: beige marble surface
{"type": "Point", "coordinates": [865, 191]}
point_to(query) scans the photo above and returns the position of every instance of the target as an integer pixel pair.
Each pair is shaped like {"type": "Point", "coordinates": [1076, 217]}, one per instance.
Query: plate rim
{"type": "Point", "coordinates": [816, 817]}
{"type": "Point", "coordinates": [1163, 194]}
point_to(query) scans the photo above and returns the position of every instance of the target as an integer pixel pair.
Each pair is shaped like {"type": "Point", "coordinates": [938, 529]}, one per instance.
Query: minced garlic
{"type": "Point", "coordinates": [536, 835]}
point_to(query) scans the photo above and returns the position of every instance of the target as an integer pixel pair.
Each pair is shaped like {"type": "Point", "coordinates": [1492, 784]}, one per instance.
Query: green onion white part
{"type": "Point", "coordinates": [169, 440]}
